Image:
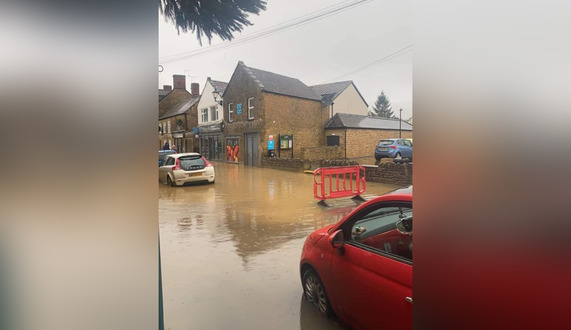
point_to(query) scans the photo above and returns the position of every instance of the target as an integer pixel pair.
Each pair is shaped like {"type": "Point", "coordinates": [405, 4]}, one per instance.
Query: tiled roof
{"type": "Point", "coordinates": [163, 93]}
{"type": "Point", "coordinates": [329, 92]}
{"type": "Point", "coordinates": [275, 83]}
{"type": "Point", "coordinates": [345, 120]}
{"type": "Point", "coordinates": [181, 107]}
{"type": "Point", "coordinates": [219, 86]}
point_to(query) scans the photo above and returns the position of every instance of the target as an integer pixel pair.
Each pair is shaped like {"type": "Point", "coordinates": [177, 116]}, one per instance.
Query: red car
{"type": "Point", "coordinates": [361, 268]}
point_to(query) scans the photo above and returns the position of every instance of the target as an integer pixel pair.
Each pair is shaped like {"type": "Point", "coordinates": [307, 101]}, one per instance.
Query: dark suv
{"type": "Point", "coordinates": [162, 155]}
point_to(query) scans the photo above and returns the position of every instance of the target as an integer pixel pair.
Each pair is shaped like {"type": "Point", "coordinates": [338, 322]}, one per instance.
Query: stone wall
{"type": "Point", "coordinates": [318, 153]}
{"type": "Point", "coordinates": [337, 162]}
{"type": "Point", "coordinates": [391, 173]}
{"type": "Point", "coordinates": [304, 164]}
{"type": "Point", "coordinates": [285, 163]}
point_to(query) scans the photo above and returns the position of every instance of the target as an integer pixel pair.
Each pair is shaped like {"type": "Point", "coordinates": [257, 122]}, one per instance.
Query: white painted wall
{"type": "Point", "coordinates": [207, 101]}
{"type": "Point", "coordinates": [349, 101]}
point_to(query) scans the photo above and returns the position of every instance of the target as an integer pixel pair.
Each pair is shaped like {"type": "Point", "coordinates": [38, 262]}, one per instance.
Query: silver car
{"type": "Point", "coordinates": [179, 169]}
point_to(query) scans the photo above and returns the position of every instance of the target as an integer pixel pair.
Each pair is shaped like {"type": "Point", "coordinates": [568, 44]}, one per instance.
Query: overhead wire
{"type": "Point", "coordinates": [284, 26]}
{"type": "Point", "coordinates": [387, 57]}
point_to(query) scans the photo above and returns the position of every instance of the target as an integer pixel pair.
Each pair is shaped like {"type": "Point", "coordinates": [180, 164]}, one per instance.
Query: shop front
{"type": "Point", "coordinates": [211, 141]}
{"type": "Point", "coordinates": [233, 148]}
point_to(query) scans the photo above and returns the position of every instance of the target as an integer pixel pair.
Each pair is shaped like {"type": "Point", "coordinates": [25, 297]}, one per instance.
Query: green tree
{"type": "Point", "coordinates": [382, 107]}
{"type": "Point", "coordinates": [210, 17]}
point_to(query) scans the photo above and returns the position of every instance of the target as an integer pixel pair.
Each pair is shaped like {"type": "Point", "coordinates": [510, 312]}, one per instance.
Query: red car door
{"type": "Point", "coordinates": [372, 277]}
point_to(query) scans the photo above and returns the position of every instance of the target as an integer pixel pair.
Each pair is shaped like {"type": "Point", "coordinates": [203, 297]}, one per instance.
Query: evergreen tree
{"type": "Point", "coordinates": [382, 107]}
{"type": "Point", "coordinates": [221, 17]}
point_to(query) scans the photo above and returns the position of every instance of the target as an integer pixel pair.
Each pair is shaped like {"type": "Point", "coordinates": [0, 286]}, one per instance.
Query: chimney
{"type": "Point", "coordinates": [167, 87]}
{"type": "Point", "coordinates": [179, 81]}
{"type": "Point", "coordinates": [194, 89]}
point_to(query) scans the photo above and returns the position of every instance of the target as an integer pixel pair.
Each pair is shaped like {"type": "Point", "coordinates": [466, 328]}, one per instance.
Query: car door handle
{"type": "Point", "coordinates": [408, 300]}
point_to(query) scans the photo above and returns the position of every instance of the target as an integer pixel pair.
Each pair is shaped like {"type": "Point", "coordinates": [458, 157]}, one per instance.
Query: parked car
{"type": "Point", "coordinates": [360, 269]}
{"type": "Point", "coordinates": [179, 169]}
{"type": "Point", "coordinates": [393, 148]}
{"type": "Point", "coordinates": [162, 155]}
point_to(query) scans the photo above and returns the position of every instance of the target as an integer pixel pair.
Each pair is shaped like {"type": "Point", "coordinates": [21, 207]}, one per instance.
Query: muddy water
{"type": "Point", "coordinates": [230, 251]}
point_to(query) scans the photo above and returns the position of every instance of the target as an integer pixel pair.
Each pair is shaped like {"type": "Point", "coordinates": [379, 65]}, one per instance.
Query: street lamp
{"type": "Point", "coordinates": [400, 122]}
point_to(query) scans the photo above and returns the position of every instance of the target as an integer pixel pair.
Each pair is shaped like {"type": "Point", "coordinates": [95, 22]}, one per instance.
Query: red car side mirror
{"type": "Point", "coordinates": [337, 240]}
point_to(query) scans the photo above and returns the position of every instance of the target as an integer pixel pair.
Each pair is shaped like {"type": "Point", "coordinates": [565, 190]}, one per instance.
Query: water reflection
{"type": "Point", "coordinates": [253, 234]}
{"type": "Point", "coordinates": [311, 319]}
{"type": "Point", "coordinates": [234, 246]}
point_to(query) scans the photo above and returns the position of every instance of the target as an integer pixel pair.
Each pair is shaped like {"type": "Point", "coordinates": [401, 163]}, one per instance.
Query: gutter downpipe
{"type": "Point", "coordinates": [345, 143]}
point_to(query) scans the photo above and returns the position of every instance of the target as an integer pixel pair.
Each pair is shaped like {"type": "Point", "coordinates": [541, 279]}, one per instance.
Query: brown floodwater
{"type": "Point", "coordinates": [230, 250]}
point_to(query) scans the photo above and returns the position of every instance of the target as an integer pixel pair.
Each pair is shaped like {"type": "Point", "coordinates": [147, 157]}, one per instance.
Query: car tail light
{"type": "Point", "coordinates": [393, 147]}
{"type": "Point", "coordinates": [177, 166]}
{"type": "Point", "coordinates": [208, 164]}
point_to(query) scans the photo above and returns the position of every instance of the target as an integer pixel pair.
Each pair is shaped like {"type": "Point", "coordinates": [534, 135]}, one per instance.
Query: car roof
{"type": "Point", "coordinates": [185, 154]}
{"type": "Point", "coordinates": [404, 194]}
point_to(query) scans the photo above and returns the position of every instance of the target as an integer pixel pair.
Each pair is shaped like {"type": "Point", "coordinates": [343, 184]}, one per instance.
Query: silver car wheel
{"type": "Point", "coordinates": [315, 292]}
{"type": "Point", "coordinates": [398, 156]}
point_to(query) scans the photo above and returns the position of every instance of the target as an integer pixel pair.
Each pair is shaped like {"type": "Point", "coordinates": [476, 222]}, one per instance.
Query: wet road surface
{"type": "Point", "coordinates": [230, 250]}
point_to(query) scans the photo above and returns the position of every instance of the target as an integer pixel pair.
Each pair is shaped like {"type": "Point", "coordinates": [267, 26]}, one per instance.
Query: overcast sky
{"type": "Point", "coordinates": [326, 50]}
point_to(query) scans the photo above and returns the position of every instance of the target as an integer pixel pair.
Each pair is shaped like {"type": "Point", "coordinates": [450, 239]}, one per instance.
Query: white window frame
{"type": "Point", "coordinates": [169, 126]}
{"type": "Point", "coordinates": [213, 113]}
{"type": "Point", "coordinates": [204, 115]}
{"type": "Point", "coordinates": [230, 112]}
{"type": "Point", "coordinates": [250, 108]}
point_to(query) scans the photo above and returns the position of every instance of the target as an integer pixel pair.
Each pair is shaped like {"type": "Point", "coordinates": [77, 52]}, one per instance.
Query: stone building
{"type": "Point", "coordinates": [263, 109]}
{"type": "Point", "coordinates": [178, 115]}
{"type": "Point", "coordinates": [211, 119]}
{"type": "Point", "coordinates": [270, 115]}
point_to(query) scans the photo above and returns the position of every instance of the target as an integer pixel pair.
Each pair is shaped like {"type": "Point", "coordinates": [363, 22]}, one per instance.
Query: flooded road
{"type": "Point", "coordinates": [230, 250]}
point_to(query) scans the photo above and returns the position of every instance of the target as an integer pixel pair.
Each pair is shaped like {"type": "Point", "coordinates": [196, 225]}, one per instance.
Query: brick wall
{"type": "Point", "coordinates": [391, 173]}
{"type": "Point", "coordinates": [362, 142]}
{"type": "Point", "coordinates": [286, 115]}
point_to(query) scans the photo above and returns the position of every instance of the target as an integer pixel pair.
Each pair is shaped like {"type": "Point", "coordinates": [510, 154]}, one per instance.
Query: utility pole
{"type": "Point", "coordinates": [400, 122]}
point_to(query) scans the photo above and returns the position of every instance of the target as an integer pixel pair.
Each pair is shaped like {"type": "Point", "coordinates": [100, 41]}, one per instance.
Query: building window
{"type": "Point", "coordinates": [213, 113]}
{"type": "Point", "coordinates": [169, 126]}
{"type": "Point", "coordinates": [251, 108]}
{"type": "Point", "coordinates": [333, 140]}
{"type": "Point", "coordinates": [164, 128]}
{"type": "Point", "coordinates": [204, 113]}
{"type": "Point", "coordinates": [231, 112]}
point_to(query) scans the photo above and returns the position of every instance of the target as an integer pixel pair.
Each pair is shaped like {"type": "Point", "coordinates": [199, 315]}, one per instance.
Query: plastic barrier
{"type": "Point", "coordinates": [338, 182]}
